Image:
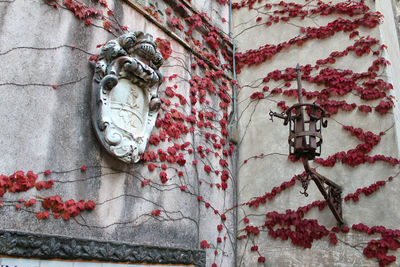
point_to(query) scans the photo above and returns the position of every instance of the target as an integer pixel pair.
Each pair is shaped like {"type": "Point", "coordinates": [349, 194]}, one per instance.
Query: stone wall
{"type": "Point", "coordinates": [46, 82]}
{"type": "Point", "coordinates": [263, 148]}
{"type": "Point", "coordinates": [48, 57]}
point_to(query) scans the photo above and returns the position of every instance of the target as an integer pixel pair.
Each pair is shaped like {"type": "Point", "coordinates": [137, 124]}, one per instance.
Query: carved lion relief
{"type": "Point", "coordinates": [125, 100]}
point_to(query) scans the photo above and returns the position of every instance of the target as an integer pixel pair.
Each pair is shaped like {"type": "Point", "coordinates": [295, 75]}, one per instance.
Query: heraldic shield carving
{"type": "Point", "coordinates": [125, 100]}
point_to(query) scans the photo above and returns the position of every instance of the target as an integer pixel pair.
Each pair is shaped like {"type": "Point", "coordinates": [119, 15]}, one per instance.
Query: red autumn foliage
{"type": "Point", "coordinates": [156, 212]}
{"type": "Point", "coordinates": [68, 208]}
{"type": "Point", "coordinates": [204, 244]}
{"type": "Point", "coordinates": [164, 47]}
{"type": "Point", "coordinates": [336, 83]}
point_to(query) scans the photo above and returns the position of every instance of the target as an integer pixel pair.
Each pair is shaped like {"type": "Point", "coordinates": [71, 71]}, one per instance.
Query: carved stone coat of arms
{"type": "Point", "coordinates": [125, 100]}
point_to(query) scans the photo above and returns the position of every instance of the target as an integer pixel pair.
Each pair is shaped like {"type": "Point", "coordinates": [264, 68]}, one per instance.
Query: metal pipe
{"type": "Point", "coordinates": [231, 122]}
{"type": "Point", "coordinates": [299, 87]}
{"type": "Point", "coordinates": [234, 93]}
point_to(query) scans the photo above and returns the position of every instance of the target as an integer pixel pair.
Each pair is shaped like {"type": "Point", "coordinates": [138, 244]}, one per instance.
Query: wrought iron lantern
{"type": "Point", "coordinates": [305, 124]}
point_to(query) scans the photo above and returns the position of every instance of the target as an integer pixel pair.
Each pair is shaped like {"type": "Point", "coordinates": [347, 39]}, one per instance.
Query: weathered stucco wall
{"type": "Point", "coordinates": [263, 149]}
{"type": "Point", "coordinates": [46, 127]}
{"type": "Point", "coordinates": [45, 110]}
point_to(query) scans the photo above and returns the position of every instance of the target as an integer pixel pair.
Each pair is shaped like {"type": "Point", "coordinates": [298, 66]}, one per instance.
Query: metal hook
{"type": "Point", "coordinates": [304, 183]}
{"type": "Point", "coordinates": [271, 114]}
{"type": "Point", "coordinates": [304, 193]}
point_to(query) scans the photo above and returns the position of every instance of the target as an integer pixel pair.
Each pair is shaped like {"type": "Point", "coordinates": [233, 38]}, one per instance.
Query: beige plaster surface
{"type": "Point", "coordinates": [44, 128]}
{"type": "Point", "coordinates": [259, 135]}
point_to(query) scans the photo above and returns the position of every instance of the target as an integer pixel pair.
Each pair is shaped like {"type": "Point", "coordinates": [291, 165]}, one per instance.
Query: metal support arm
{"type": "Point", "coordinates": [330, 190]}
{"type": "Point", "coordinates": [305, 123]}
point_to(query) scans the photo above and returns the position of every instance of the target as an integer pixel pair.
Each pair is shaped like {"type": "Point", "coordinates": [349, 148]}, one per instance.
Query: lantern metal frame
{"type": "Point", "coordinates": [305, 140]}
{"type": "Point", "coordinates": [302, 142]}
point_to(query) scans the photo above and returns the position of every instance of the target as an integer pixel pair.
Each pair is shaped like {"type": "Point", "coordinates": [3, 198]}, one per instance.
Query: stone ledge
{"type": "Point", "coordinates": [30, 245]}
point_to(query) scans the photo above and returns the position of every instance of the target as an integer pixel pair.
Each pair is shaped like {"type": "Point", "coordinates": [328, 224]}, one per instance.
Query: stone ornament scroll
{"type": "Point", "coordinates": [41, 246]}
{"type": "Point", "coordinates": [125, 102]}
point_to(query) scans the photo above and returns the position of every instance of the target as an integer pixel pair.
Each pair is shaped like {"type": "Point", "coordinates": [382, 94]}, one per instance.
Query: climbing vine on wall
{"type": "Point", "coordinates": [324, 84]}
{"type": "Point", "coordinates": [191, 132]}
